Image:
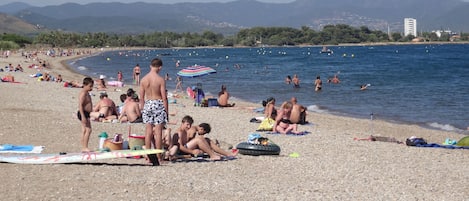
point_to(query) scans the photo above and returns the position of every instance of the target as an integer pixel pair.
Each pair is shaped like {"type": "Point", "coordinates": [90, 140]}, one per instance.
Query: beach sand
{"type": "Point", "coordinates": [331, 164]}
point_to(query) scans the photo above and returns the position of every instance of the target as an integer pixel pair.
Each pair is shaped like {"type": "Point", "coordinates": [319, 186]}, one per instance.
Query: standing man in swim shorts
{"type": "Point", "coordinates": [155, 105]}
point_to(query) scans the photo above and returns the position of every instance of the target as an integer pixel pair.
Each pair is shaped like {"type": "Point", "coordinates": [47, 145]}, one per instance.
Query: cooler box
{"type": "Point", "coordinates": [136, 141]}
{"type": "Point", "coordinates": [211, 102]}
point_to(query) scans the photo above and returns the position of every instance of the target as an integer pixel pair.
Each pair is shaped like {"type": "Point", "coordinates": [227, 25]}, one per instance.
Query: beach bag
{"type": "Point", "coordinates": [266, 125]}
{"type": "Point", "coordinates": [415, 141]}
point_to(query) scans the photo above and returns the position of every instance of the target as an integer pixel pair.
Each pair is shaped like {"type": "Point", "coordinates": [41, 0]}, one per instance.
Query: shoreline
{"type": "Point", "coordinates": [427, 125]}
{"type": "Point", "coordinates": [329, 163]}
{"type": "Point", "coordinates": [60, 65]}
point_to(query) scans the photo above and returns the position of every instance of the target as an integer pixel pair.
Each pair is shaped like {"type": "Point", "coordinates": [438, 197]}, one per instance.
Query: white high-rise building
{"type": "Point", "coordinates": [410, 27]}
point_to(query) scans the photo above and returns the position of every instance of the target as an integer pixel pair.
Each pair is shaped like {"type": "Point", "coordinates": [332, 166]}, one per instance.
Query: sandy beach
{"type": "Point", "coordinates": [331, 164]}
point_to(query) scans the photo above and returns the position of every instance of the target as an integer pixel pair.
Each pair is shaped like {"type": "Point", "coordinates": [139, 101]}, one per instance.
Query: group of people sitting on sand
{"type": "Point", "coordinates": [199, 97]}
{"type": "Point", "coordinates": [189, 139]}
{"type": "Point", "coordinates": [10, 68]}
{"type": "Point", "coordinates": [287, 117]}
{"type": "Point", "coordinates": [128, 111]}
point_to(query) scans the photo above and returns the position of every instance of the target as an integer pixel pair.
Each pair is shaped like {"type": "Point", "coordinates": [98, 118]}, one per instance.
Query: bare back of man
{"type": "Point", "coordinates": [131, 113]}
{"type": "Point", "coordinates": [223, 98]}
{"type": "Point", "coordinates": [298, 112]}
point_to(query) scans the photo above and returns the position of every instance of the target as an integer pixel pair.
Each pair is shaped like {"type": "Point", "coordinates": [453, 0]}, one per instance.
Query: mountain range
{"type": "Point", "coordinates": [229, 18]}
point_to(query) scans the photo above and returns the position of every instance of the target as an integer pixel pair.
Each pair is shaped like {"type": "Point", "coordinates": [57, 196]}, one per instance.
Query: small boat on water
{"type": "Point", "coordinates": [326, 50]}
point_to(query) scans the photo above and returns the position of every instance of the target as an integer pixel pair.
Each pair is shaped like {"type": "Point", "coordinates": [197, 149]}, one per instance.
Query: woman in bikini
{"type": "Point", "coordinates": [269, 108]}
{"type": "Point", "coordinates": [282, 122]}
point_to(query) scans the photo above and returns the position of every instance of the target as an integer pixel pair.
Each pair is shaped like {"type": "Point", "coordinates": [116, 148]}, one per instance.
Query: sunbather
{"type": "Point", "coordinates": [194, 146]}
{"type": "Point", "coordinates": [105, 109]}
{"type": "Point", "coordinates": [131, 111]}
{"type": "Point", "coordinates": [200, 131]}
{"type": "Point", "coordinates": [101, 84]}
{"type": "Point", "coordinates": [223, 97]}
{"type": "Point", "coordinates": [298, 112]}
{"type": "Point", "coordinates": [282, 122]}
{"type": "Point", "coordinates": [269, 108]}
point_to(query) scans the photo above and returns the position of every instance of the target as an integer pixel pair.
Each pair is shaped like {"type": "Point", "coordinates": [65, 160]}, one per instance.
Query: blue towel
{"type": "Point", "coordinates": [290, 133]}
{"type": "Point", "coordinates": [434, 145]}
{"type": "Point", "coordinates": [10, 147]}
{"type": "Point", "coordinates": [259, 110]}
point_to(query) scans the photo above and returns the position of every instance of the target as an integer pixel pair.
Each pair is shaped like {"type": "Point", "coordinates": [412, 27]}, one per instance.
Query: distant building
{"type": "Point", "coordinates": [410, 27]}
{"type": "Point", "coordinates": [439, 33]}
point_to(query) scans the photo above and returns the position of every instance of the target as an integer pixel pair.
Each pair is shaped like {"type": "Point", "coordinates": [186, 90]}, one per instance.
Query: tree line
{"type": "Point", "coordinates": [256, 36]}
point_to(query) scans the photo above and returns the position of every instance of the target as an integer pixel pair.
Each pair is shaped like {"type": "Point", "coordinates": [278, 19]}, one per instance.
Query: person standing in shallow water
{"type": "Point", "coordinates": [296, 81]}
{"type": "Point", "coordinates": [318, 84]}
{"type": "Point", "coordinates": [120, 77]}
{"type": "Point", "coordinates": [155, 105]}
{"type": "Point", "coordinates": [136, 74]}
{"type": "Point", "coordinates": [288, 80]}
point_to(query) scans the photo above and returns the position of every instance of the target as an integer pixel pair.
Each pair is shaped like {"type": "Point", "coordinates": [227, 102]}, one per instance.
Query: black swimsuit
{"type": "Point", "coordinates": [287, 121]}
{"type": "Point", "coordinates": [87, 115]}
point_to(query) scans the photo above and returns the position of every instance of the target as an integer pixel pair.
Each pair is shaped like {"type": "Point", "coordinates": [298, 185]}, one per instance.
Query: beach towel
{"type": "Point", "coordinates": [301, 133]}
{"type": "Point", "coordinates": [9, 148]}
{"type": "Point", "coordinates": [435, 145]}
{"type": "Point", "coordinates": [380, 139]}
{"type": "Point", "coordinates": [200, 158]}
{"type": "Point", "coordinates": [259, 110]}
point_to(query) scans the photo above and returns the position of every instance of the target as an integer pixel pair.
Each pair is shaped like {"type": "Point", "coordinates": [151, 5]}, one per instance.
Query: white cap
{"type": "Point", "coordinates": [102, 77]}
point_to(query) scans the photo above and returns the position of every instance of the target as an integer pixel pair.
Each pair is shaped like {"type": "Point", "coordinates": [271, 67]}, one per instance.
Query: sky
{"type": "Point", "coordinates": [58, 2]}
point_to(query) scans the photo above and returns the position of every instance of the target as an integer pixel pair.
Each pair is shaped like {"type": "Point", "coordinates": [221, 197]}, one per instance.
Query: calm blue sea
{"type": "Point", "coordinates": [426, 85]}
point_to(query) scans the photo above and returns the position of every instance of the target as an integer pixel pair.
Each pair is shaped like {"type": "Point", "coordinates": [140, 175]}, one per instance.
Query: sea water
{"type": "Point", "coordinates": [426, 85]}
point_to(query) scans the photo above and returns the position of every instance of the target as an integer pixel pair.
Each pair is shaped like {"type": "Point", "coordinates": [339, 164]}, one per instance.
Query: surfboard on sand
{"type": "Point", "coordinates": [76, 157]}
